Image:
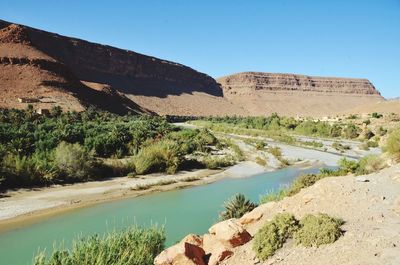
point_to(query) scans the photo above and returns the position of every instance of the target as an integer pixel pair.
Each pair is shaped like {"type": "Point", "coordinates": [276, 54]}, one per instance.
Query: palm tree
{"type": "Point", "coordinates": [236, 207]}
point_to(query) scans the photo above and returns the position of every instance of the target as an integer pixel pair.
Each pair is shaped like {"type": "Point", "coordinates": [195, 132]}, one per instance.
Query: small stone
{"type": "Point", "coordinates": [362, 179]}
{"type": "Point", "coordinates": [383, 198]}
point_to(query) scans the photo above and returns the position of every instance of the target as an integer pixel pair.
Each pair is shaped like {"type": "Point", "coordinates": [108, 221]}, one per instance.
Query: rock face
{"type": "Point", "coordinates": [248, 82]}
{"type": "Point", "coordinates": [292, 95]}
{"type": "Point", "coordinates": [210, 249]}
{"type": "Point", "coordinates": [75, 74]}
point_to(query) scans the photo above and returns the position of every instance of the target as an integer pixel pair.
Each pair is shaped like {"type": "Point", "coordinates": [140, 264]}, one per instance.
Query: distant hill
{"type": "Point", "coordinates": [48, 69]}
{"type": "Point", "coordinates": [291, 94]}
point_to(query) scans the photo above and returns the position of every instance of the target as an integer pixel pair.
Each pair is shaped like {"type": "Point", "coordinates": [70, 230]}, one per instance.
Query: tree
{"type": "Point", "coordinates": [236, 207]}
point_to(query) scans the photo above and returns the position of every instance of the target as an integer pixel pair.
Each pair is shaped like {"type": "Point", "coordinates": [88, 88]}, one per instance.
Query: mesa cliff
{"type": "Point", "coordinates": [291, 94]}
{"type": "Point", "coordinates": [50, 69]}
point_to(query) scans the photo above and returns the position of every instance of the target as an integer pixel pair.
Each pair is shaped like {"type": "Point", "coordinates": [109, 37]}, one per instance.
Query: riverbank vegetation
{"type": "Point", "coordinates": [38, 150]}
{"type": "Point", "coordinates": [278, 128]}
{"type": "Point", "coordinates": [133, 246]}
{"type": "Point", "coordinates": [365, 165]}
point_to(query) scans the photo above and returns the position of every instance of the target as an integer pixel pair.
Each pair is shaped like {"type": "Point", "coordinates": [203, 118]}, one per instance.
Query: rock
{"type": "Point", "coordinates": [187, 252]}
{"type": "Point", "coordinates": [193, 239]}
{"type": "Point", "coordinates": [362, 179]}
{"type": "Point", "coordinates": [230, 232]}
{"type": "Point", "coordinates": [216, 250]}
{"type": "Point", "coordinates": [251, 217]}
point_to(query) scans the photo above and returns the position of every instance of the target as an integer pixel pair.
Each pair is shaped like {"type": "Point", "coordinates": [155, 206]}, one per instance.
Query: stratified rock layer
{"type": "Point", "coordinates": [247, 82]}
{"type": "Point", "coordinates": [290, 94]}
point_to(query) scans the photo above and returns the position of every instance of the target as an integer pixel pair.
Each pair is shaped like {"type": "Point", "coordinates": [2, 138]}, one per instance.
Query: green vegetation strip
{"type": "Point", "coordinates": [134, 246]}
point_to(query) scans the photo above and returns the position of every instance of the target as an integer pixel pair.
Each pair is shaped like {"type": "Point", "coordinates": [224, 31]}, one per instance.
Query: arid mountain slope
{"type": "Point", "coordinates": [290, 94]}
{"type": "Point", "coordinates": [74, 73]}
{"type": "Point", "coordinates": [51, 69]}
{"type": "Point", "coordinates": [383, 107]}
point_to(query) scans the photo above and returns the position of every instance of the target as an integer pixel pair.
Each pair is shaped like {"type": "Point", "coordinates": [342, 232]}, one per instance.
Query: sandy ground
{"type": "Point", "coordinates": [371, 211]}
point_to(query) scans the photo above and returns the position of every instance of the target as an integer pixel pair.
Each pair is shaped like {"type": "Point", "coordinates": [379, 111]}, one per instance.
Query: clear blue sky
{"type": "Point", "coordinates": [347, 38]}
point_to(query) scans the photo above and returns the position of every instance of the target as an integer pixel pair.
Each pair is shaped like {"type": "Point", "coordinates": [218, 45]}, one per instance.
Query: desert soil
{"type": "Point", "coordinates": [370, 207]}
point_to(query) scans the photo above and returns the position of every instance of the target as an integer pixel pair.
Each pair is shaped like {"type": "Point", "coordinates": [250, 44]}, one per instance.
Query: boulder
{"type": "Point", "coordinates": [230, 232]}
{"type": "Point", "coordinates": [215, 249]}
{"type": "Point", "coordinates": [187, 252]}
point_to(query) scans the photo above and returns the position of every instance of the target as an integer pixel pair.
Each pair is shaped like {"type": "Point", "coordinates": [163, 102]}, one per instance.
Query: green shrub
{"type": "Point", "coordinates": [236, 207]}
{"type": "Point", "coordinates": [303, 181]}
{"type": "Point", "coordinates": [376, 115]}
{"type": "Point", "coordinates": [213, 162]}
{"type": "Point", "coordinates": [369, 164]}
{"type": "Point", "coordinates": [351, 131]}
{"type": "Point", "coordinates": [393, 144]}
{"type": "Point", "coordinates": [348, 166]}
{"type": "Point", "coordinates": [134, 246]}
{"type": "Point", "coordinates": [273, 235]}
{"type": "Point", "coordinates": [73, 161]}
{"type": "Point", "coordinates": [316, 230]}
{"type": "Point", "coordinates": [161, 156]}
{"type": "Point", "coordinates": [373, 144]}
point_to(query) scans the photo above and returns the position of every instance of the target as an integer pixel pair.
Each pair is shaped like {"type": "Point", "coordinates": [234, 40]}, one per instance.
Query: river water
{"type": "Point", "coordinates": [190, 210]}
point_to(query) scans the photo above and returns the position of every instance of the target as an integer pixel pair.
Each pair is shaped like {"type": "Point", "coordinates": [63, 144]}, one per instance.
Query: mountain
{"type": "Point", "coordinates": [47, 69]}
{"type": "Point", "coordinates": [291, 94]}
{"type": "Point", "coordinates": [73, 73]}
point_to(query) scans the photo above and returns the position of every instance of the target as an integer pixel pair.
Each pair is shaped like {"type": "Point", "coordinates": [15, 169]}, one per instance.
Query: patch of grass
{"type": "Point", "coordinates": [316, 230]}
{"type": "Point", "coordinates": [277, 153]}
{"type": "Point", "coordinates": [272, 196]}
{"type": "Point", "coordinates": [261, 161]}
{"type": "Point", "coordinates": [143, 186]}
{"type": "Point", "coordinates": [341, 147]}
{"type": "Point", "coordinates": [191, 179]}
{"type": "Point", "coordinates": [213, 162]}
{"type": "Point", "coordinates": [273, 235]}
{"type": "Point", "coordinates": [303, 182]}
{"type": "Point", "coordinates": [166, 182]}
{"type": "Point", "coordinates": [134, 246]}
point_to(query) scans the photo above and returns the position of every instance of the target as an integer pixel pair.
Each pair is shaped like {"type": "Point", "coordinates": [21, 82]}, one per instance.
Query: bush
{"type": "Point", "coordinates": [212, 162]}
{"type": "Point", "coordinates": [162, 156]}
{"type": "Point", "coordinates": [134, 246]}
{"type": "Point", "coordinates": [376, 115]}
{"type": "Point", "coordinates": [369, 164]}
{"type": "Point", "coordinates": [275, 151]}
{"type": "Point", "coordinates": [236, 207]}
{"type": "Point", "coordinates": [261, 161]}
{"type": "Point", "coordinates": [303, 181]}
{"type": "Point", "coordinates": [316, 230]}
{"type": "Point", "coordinates": [273, 235]}
{"type": "Point", "coordinates": [73, 161]}
{"type": "Point", "coordinates": [348, 166]}
{"type": "Point", "coordinates": [393, 144]}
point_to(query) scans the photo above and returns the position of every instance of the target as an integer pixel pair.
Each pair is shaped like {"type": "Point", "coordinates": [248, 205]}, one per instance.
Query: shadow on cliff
{"type": "Point", "coordinates": [106, 99]}
{"type": "Point", "coordinates": [126, 71]}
